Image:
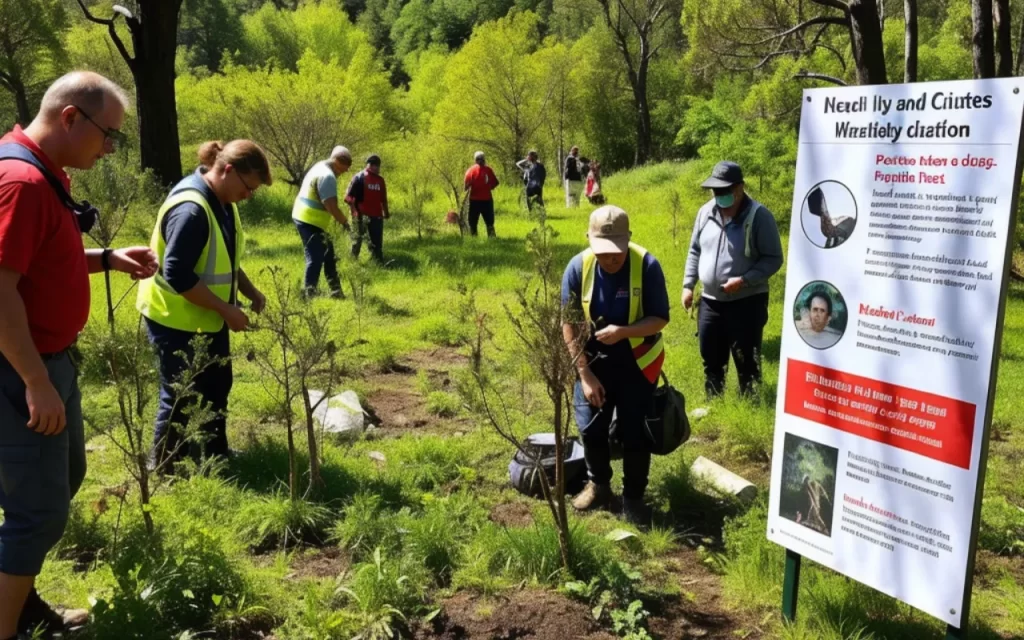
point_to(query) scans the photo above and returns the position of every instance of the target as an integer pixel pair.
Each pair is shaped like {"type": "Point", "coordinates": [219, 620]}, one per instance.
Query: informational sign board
{"type": "Point", "coordinates": [903, 212]}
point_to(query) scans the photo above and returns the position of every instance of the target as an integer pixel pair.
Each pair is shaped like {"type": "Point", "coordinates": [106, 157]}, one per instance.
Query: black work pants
{"type": "Point", "coordinates": [735, 327]}
{"type": "Point", "coordinates": [374, 227]}
{"type": "Point", "coordinates": [483, 208]}
{"type": "Point", "coordinates": [628, 393]}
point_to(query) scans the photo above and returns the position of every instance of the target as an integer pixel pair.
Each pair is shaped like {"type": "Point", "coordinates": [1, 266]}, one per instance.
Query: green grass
{"type": "Point", "coordinates": [425, 508]}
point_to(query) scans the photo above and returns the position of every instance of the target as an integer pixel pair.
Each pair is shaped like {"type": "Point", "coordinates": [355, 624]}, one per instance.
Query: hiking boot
{"type": "Point", "coordinates": [337, 294]}
{"type": "Point", "coordinates": [37, 616]}
{"type": "Point", "coordinates": [636, 512]}
{"type": "Point", "coordinates": [593, 496]}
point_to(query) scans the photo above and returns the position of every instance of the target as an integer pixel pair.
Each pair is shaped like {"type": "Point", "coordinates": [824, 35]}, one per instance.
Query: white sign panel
{"type": "Point", "coordinates": [902, 214]}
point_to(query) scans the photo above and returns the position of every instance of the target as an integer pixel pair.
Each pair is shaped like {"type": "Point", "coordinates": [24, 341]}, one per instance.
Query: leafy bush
{"type": "Point", "coordinates": [279, 521]}
{"type": "Point", "coordinates": [367, 525]}
{"type": "Point", "coordinates": [181, 579]}
{"type": "Point", "coordinates": [442, 404]}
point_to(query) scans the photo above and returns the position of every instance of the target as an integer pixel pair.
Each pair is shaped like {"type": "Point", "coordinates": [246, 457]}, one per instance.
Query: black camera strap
{"type": "Point", "coordinates": [85, 213]}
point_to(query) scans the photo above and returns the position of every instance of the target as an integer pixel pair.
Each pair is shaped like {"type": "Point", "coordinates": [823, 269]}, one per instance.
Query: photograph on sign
{"type": "Point", "coordinates": [820, 314]}
{"type": "Point", "coordinates": [829, 214]}
{"type": "Point", "coordinates": [905, 195]}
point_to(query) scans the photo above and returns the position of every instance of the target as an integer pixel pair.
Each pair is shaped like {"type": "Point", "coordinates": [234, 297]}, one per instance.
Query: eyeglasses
{"type": "Point", "coordinates": [116, 136]}
{"type": "Point", "coordinates": [245, 184]}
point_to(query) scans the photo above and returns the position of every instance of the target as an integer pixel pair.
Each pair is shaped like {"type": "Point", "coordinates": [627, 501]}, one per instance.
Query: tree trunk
{"type": "Point", "coordinates": [155, 40]}
{"type": "Point", "coordinates": [983, 49]}
{"type": "Point", "coordinates": [293, 473]}
{"type": "Point", "coordinates": [562, 519]}
{"type": "Point", "coordinates": [21, 101]}
{"type": "Point", "coordinates": [315, 480]}
{"type": "Point", "coordinates": [866, 42]}
{"type": "Point", "coordinates": [1004, 44]}
{"type": "Point", "coordinates": [910, 64]}
{"type": "Point", "coordinates": [1020, 51]}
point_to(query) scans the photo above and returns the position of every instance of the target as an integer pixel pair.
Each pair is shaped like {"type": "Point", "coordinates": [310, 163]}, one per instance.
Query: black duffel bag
{"type": "Point", "coordinates": [666, 426]}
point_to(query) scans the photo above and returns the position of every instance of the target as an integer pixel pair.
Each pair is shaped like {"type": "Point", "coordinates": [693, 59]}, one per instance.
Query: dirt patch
{"type": "Point", "coordinates": [534, 614]}
{"type": "Point", "coordinates": [396, 405]}
{"type": "Point", "coordinates": [990, 567]}
{"type": "Point", "coordinates": [328, 562]}
{"type": "Point", "coordinates": [512, 514]}
{"type": "Point", "coordinates": [701, 611]}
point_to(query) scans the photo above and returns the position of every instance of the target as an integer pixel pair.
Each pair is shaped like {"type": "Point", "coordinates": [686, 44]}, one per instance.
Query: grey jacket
{"type": "Point", "coordinates": [717, 251]}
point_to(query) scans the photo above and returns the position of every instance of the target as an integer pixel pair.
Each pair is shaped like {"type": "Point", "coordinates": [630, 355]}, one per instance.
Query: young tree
{"type": "Point", "coordinates": [153, 26]}
{"type": "Point", "coordinates": [301, 358]}
{"type": "Point", "coordinates": [127, 366]}
{"type": "Point", "coordinates": [638, 27]}
{"type": "Point", "coordinates": [30, 49]}
{"type": "Point", "coordinates": [539, 340]}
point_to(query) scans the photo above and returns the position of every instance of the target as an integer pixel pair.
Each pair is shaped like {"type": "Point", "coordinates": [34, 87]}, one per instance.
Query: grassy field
{"type": "Point", "coordinates": [424, 538]}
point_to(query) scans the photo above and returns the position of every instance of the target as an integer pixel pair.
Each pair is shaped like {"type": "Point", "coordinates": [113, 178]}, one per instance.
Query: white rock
{"type": "Point", "coordinates": [723, 480]}
{"type": "Point", "coordinates": [699, 413]}
{"type": "Point", "coordinates": [340, 414]}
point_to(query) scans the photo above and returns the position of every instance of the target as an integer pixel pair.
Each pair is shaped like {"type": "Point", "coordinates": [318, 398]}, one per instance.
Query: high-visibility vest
{"type": "Point", "coordinates": [308, 208]}
{"type": "Point", "coordinates": [648, 352]}
{"type": "Point", "coordinates": [159, 302]}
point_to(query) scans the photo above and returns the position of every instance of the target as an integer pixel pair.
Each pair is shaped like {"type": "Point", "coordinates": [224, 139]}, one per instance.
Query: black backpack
{"type": "Point", "coordinates": [85, 213]}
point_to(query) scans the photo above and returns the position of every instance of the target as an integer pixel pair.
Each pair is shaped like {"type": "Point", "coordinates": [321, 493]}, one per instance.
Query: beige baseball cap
{"type": "Point", "coordinates": [609, 230]}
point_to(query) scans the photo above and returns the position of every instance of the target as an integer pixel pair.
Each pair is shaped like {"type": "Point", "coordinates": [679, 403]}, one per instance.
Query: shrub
{"type": "Point", "coordinates": [442, 404]}
{"type": "Point", "coordinates": [279, 521]}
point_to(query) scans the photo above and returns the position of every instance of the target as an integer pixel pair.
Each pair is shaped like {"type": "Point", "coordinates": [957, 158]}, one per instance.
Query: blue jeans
{"type": "Point", "coordinates": [374, 227]}
{"type": "Point", "coordinates": [628, 393]}
{"type": "Point", "coordinates": [38, 474]}
{"type": "Point", "coordinates": [213, 385]}
{"type": "Point", "coordinates": [319, 255]}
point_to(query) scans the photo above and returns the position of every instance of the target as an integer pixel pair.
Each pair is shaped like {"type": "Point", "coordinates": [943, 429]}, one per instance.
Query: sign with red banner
{"type": "Point", "coordinates": [903, 216]}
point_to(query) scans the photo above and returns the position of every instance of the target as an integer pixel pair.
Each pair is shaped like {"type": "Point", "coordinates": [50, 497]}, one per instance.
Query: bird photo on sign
{"type": "Point", "coordinates": [829, 214]}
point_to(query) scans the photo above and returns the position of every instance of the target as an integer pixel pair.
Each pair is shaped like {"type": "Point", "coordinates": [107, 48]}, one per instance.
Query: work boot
{"type": "Point", "coordinates": [337, 294]}
{"type": "Point", "coordinates": [36, 615]}
{"type": "Point", "coordinates": [636, 512]}
{"type": "Point", "coordinates": [594, 496]}
{"type": "Point", "coordinates": [491, 233]}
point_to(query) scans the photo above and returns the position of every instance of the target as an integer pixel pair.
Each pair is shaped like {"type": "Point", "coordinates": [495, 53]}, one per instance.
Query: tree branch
{"type": "Point", "coordinates": [820, 76]}
{"type": "Point", "coordinates": [109, 22]}
{"type": "Point", "coordinates": [826, 20]}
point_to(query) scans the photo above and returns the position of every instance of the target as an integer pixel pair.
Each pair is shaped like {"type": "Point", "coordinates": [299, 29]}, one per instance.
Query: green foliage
{"type": "Point", "coordinates": [630, 623]}
{"type": "Point", "coordinates": [279, 521]}
{"type": "Point", "coordinates": [1002, 526]}
{"type": "Point", "coordinates": [385, 592]}
{"type": "Point", "coordinates": [440, 331]}
{"type": "Point", "coordinates": [32, 51]}
{"type": "Point", "coordinates": [366, 525]}
{"type": "Point", "coordinates": [443, 404]}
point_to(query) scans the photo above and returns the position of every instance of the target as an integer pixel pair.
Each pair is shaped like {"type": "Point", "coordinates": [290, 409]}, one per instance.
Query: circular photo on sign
{"type": "Point", "coordinates": [820, 314]}
{"type": "Point", "coordinates": [829, 214]}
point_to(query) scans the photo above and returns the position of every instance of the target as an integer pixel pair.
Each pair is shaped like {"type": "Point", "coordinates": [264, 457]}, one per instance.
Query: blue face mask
{"type": "Point", "coordinates": [725, 201]}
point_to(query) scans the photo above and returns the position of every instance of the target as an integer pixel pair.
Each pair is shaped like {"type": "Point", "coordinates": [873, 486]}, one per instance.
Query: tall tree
{"type": "Point", "coordinates": [636, 26]}
{"type": "Point", "coordinates": [1004, 44]}
{"type": "Point", "coordinates": [910, 48]}
{"type": "Point", "coordinates": [153, 25]}
{"type": "Point", "coordinates": [30, 45]}
{"type": "Point", "coordinates": [983, 51]}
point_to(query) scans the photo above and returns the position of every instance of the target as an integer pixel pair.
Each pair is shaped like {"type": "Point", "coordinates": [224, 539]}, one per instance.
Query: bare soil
{"type": "Point", "coordinates": [327, 562]}
{"type": "Point", "coordinates": [396, 405]}
{"type": "Point", "coordinates": [512, 514]}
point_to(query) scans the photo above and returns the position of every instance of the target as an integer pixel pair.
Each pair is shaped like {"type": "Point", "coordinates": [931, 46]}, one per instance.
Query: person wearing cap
{"type": "Point", "coordinates": [314, 208]}
{"type": "Point", "coordinates": [614, 290]}
{"type": "Point", "coordinates": [735, 248]}
{"type": "Point", "coordinates": [573, 177]}
{"type": "Point", "coordinates": [367, 198]}
{"type": "Point", "coordinates": [534, 175]}
{"type": "Point", "coordinates": [480, 182]}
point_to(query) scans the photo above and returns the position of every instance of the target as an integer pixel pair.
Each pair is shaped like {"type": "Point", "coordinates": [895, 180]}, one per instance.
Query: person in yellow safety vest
{"type": "Point", "coordinates": [615, 291]}
{"type": "Point", "coordinates": [199, 241]}
{"type": "Point", "coordinates": [314, 209]}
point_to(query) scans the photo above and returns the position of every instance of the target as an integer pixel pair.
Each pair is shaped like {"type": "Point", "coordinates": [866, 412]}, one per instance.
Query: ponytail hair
{"type": "Point", "coordinates": [244, 155]}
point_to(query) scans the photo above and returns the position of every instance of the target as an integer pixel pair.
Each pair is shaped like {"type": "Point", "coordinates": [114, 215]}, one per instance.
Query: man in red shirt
{"type": "Point", "coordinates": [367, 198]}
{"type": "Point", "coordinates": [480, 181]}
{"type": "Point", "coordinates": [44, 304]}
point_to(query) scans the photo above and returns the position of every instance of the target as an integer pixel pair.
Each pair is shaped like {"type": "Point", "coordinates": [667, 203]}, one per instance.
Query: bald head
{"type": "Point", "coordinates": [85, 89]}
{"type": "Point", "coordinates": [341, 154]}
